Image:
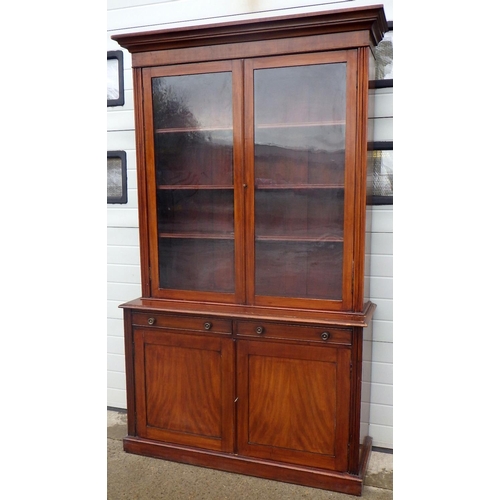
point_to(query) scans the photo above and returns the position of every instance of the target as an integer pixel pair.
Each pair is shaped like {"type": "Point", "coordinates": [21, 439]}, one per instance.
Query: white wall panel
{"type": "Point", "coordinates": [116, 363]}
{"type": "Point", "coordinates": [382, 129]}
{"type": "Point", "coordinates": [381, 265]}
{"type": "Point", "coordinates": [124, 273]}
{"type": "Point", "coordinates": [381, 292]}
{"type": "Point", "coordinates": [381, 243]}
{"type": "Point", "coordinates": [123, 292]}
{"type": "Point", "coordinates": [120, 4]}
{"type": "Point", "coordinates": [381, 372]}
{"type": "Point", "coordinates": [381, 288]}
{"type": "Point", "coordinates": [381, 394]}
{"type": "Point", "coordinates": [115, 327]}
{"type": "Point", "coordinates": [116, 345]}
{"type": "Point", "coordinates": [121, 120]}
{"type": "Point", "coordinates": [123, 255]}
{"type": "Point", "coordinates": [382, 435]}
{"type": "Point", "coordinates": [117, 398]}
{"type": "Point", "coordinates": [384, 310]}
{"type": "Point", "coordinates": [123, 236]}
{"type": "Point", "coordinates": [381, 353]}
{"type": "Point", "coordinates": [124, 217]}
{"type": "Point", "coordinates": [381, 414]}
{"type": "Point", "coordinates": [382, 104]}
{"type": "Point", "coordinates": [156, 15]}
{"type": "Point", "coordinates": [382, 330]}
{"type": "Point", "coordinates": [113, 309]}
{"type": "Point", "coordinates": [116, 380]}
{"type": "Point", "coordinates": [118, 140]}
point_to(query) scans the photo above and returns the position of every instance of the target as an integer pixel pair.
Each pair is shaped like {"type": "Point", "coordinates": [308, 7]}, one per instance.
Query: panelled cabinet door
{"type": "Point", "coordinates": [293, 403]}
{"type": "Point", "coordinates": [184, 389]}
{"type": "Point", "coordinates": [300, 164]}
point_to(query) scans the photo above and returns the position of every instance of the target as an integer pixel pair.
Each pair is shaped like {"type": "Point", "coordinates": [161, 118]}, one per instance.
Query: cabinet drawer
{"type": "Point", "coordinates": [191, 323]}
{"type": "Point", "coordinates": [321, 334]}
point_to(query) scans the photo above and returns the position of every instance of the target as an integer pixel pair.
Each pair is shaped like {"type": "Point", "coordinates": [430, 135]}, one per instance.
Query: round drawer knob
{"type": "Point", "coordinates": [325, 336]}
{"type": "Point", "coordinates": [207, 325]}
{"type": "Point", "coordinates": [259, 330]}
{"type": "Point", "coordinates": [151, 321]}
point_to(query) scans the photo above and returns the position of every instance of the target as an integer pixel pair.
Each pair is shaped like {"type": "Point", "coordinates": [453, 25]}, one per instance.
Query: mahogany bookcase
{"type": "Point", "coordinates": [245, 351]}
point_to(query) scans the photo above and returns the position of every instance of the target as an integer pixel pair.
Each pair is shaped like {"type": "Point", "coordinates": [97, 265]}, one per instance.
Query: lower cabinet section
{"type": "Point", "coordinates": [273, 399]}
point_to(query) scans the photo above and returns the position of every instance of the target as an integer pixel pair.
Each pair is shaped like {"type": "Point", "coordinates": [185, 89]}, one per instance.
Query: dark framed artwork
{"type": "Point", "coordinates": [380, 183]}
{"type": "Point", "coordinates": [117, 177]}
{"type": "Point", "coordinates": [116, 95]}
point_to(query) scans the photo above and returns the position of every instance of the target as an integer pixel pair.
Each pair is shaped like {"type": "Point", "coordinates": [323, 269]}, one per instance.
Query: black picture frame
{"type": "Point", "coordinates": [117, 177]}
{"type": "Point", "coordinates": [116, 95]}
{"type": "Point", "coordinates": [381, 84]}
{"type": "Point", "coordinates": [373, 198]}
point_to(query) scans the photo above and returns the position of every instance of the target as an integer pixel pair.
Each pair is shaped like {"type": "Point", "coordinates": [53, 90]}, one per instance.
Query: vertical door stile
{"type": "Point", "coordinates": [239, 181]}
{"type": "Point", "coordinates": [249, 181]}
{"type": "Point", "coordinates": [150, 172]}
{"type": "Point", "coordinates": [141, 179]}
{"type": "Point", "coordinates": [350, 176]}
{"type": "Point", "coordinates": [361, 174]}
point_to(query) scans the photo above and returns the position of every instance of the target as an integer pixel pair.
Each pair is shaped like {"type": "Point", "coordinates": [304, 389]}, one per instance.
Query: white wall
{"type": "Point", "coordinates": [123, 234]}
{"type": "Point", "coordinates": [381, 292]}
{"type": "Point", "coordinates": [143, 15]}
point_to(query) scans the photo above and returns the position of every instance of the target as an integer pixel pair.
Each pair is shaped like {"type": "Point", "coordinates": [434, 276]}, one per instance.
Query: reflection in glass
{"type": "Point", "coordinates": [300, 117]}
{"type": "Point", "coordinates": [384, 58]}
{"type": "Point", "coordinates": [380, 173]}
{"type": "Point", "coordinates": [115, 178]}
{"type": "Point", "coordinates": [194, 173]}
{"type": "Point", "coordinates": [113, 79]}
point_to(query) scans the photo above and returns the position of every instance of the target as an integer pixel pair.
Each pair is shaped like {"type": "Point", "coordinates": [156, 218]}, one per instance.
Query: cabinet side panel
{"type": "Point", "coordinates": [129, 372]}
{"type": "Point", "coordinates": [366, 383]}
{"type": "Point", "coordinates": [369, 175]}
{"type": "Point", "coordinates": [361, 178]}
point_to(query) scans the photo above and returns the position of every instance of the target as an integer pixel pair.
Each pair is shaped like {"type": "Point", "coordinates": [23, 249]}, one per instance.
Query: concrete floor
{"type": "Point", "coordinates": [132, 477]}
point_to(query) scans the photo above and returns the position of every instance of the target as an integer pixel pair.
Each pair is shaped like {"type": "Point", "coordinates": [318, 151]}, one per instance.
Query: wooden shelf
{"type": "Point", "coordinates": [175, 130]}
{"type": "Point", "coordinates": [171, 187]}
{"type": "Point", "coordinates": [197, 236]}
{"type": "Point", "coordinates": [299, 186]}
{"type": "Point", "coordinates": [272, 238]}
{"type": "Point", "coordinates": [301, 239]}
{"type": "Point", "coordinates": [334, 123]}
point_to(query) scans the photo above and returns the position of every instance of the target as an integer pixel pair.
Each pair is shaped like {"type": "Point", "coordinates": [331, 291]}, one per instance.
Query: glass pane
{"type": "Point", "coordinates": [380, 173]}
{"type": "Point", "coordinates": [300, 117]}
{"type": "Point", "coordinates": [115, 178]}
{"type": "Point", "coordinates": [194, 174]}
{"type": "Point", "coordinates": [113, 79]}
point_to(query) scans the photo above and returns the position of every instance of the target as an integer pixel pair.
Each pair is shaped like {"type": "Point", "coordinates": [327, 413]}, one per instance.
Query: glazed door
{"type": "Point", "coordinates": [300, 170]}
{"type": "Point", "coordinates": [293, 403]}
{"type": "Point", "coordinates": [193, 142]}
{"type": "Point", "coordinates": [185, 389]}
{"type": "Point", "coordinates": [253, 165]}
